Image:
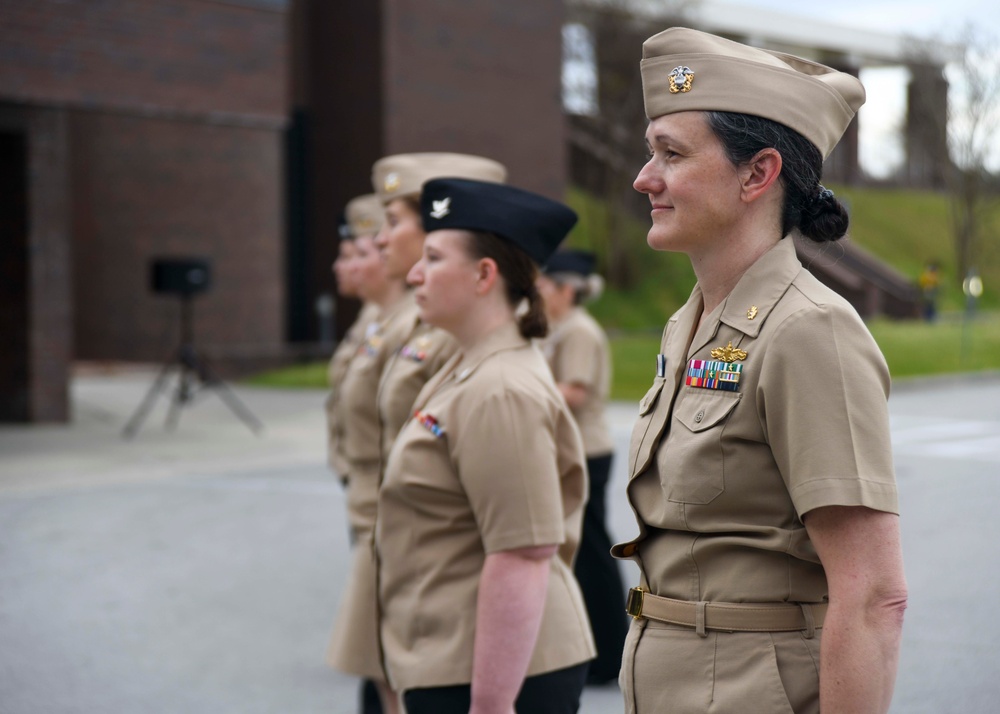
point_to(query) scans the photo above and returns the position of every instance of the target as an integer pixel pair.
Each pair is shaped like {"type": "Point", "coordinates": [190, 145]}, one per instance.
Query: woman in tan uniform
{"type": "Point", "coordinates": [481, 506]}
{"type": "Point", "coordinates": [771, 577]}
{"type": "Point", "coordinates": [426, 348]}
{"type": "Point", "coordinates": [364, 219]}
{"type": "Point", "coordinates": [577, 351]}
{"type": "Point", "coordinates": [354, 646]}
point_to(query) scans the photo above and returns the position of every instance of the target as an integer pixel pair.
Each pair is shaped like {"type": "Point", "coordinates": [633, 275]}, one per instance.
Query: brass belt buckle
{"type": "Point", "coordinates": [633, 606]}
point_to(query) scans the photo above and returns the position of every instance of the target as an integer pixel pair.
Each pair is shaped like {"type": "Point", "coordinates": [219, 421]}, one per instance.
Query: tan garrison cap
{"type": "Point", "coordinates": [365, 215]}
{"type": "Point", "coordinates": [405, 174]}
{"type": "Point", "coordinates": [685, 70]}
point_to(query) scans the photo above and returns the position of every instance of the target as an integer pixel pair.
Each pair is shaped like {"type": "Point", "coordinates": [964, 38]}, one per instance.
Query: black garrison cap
{"type": "Point", "coordinates": [581, 262]}
{"type": "Point", "coordinates": [535, 224]}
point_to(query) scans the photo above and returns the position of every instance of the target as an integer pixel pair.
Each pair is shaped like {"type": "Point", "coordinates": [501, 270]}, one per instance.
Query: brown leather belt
{"type": "Point", "coordinates": [728, 617]}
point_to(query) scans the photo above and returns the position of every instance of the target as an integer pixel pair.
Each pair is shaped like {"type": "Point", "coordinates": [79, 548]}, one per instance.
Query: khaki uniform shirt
{"type": "Point", "coordinates": [346, 349]}
{"type": "Point", "coordinates": [492, 462]}
{"type": "Point", "coordinates": [577, 351]}
{"type": "Point", "coordinates": [360, 414]}
{"type": "Point", "coordinates": [720, 480]}
{"type": "Point", "coordinates": [426, 350]}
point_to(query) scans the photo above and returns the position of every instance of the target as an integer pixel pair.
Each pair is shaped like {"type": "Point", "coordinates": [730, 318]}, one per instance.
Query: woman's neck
{"type": "Point", "coordinates": [392, 294]}
{"type": "Point", "coordinates": [486, 318]}
{"type": "Point", "coordinates": [720, 269]}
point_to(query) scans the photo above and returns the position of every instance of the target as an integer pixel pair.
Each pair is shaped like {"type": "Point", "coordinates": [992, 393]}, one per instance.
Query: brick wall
{"type": "Point", "coordinates": [478, 76]}
{"type": "Point", "coordinates": [182, 55]}
{"type": "Point", "coordinates": [146, 188]}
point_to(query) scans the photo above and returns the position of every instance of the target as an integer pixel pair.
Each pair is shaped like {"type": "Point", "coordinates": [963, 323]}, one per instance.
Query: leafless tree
{"type": "Point", "coordinates": [607, 141]}
{"type": "Point", "coordinates": [973, 120]}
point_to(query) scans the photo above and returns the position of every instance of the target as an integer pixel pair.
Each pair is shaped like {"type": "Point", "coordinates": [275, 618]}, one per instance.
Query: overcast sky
{"type": "Point", "coordinates": [880, 118]}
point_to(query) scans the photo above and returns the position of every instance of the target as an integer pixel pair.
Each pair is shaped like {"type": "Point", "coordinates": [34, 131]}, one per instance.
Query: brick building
{"type": "Point", "coordinates": [233, 130]}
{"type": "Point", "coordinates": [134, 129]}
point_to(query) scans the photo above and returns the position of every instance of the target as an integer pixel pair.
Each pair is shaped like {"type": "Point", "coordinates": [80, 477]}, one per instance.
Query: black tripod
{"type": "Point", "coordinates": [194, 376]}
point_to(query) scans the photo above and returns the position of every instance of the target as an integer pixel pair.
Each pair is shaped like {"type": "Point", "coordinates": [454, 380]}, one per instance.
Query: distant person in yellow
{"type": "Point", "coordinates": [930, 284]}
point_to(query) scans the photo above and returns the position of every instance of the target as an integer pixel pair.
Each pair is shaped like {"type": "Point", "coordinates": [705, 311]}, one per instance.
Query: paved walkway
{"type": "Point", "coordinates": [198, 570]}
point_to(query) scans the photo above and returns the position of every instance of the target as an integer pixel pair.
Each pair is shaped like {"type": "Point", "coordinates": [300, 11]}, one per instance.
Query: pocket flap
{"type": "Point", "coordinates": [702, 409]}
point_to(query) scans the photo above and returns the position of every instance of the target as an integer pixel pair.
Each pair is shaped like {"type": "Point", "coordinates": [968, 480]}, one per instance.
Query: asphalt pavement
{"type": "Point", "coordinates": [198, 569]}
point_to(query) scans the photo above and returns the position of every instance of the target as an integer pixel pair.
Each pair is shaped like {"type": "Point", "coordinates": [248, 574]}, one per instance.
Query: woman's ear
{"type": "Point", "coordinates": [759, 174]}
{"type": "Point", "coordinates": [486, 275]}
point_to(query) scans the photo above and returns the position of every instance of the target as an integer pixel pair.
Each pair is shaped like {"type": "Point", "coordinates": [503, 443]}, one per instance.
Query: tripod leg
{"type": "Point", "coordinates": [135, 422]}
{"type": "Point", "coordinates": [227, 395]}
{"type": "Point", "coordinates": [181, 394]}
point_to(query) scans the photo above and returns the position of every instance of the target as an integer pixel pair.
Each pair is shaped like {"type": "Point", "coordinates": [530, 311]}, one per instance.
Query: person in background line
{"type": "Point", "coordinates": [930, 284]}
{"type": "Point", "coordinates": [399, 180]}
{"type": "Point", "coordinates": [481, 508]}
{"type": "Point", "coordinates": [771, 573]}
{"type": "Point", "coordinates": [354, 648]}
{"type": "Point", "coordinates": [364, 218]}
{"type": "Point", "coordinates": [578, 354]}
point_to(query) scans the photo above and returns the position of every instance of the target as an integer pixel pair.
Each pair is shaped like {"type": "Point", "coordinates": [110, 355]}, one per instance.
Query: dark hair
{"type": "Point", "coordinates": [807, 206]}
{"type": "Point", "coordinates": [519, 273]}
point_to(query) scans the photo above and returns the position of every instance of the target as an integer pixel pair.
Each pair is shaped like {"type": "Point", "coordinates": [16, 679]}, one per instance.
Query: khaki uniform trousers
{"type": "Point", "coordinates": [670, 669]}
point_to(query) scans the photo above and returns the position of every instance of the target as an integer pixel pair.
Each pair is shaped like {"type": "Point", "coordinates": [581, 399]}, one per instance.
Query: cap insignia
{"type": "Point", "coordinates": [391, 182]}
{"type": "Point", "coordinates": [366, 223]}
{"type": "Point", "coordinates": [729, 353]}
{"type": "Point", "coordinates": [441, 208]}
{"type": "Point", "coordinates": [681, 79]}
{"type": "Point", "coordinates": [752, 312]}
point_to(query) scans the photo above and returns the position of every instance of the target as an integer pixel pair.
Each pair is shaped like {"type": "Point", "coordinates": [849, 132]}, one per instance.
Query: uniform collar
{"type": "Point", "coordinates": [506, 337]}
{"type": "Point", "coordinates": [761, 287]}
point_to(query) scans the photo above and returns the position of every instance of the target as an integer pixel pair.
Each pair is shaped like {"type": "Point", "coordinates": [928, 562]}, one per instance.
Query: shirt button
{"type": "Point", "coordinates": [699, 416]}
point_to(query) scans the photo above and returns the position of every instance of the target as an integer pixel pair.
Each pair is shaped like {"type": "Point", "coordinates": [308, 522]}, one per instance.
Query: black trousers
{"type": "Point", "coordinates": [550, 693]}
{"type": "Point", "coordinates": [600, 579]}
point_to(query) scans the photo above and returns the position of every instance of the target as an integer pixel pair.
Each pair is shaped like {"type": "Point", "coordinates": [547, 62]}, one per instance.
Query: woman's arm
{"type": "Point", "coordinates": [508, 617]}
{"type": "Point", "coordinates": [574, 393]}
{"type": "Point", "coordinates": [860, 551]}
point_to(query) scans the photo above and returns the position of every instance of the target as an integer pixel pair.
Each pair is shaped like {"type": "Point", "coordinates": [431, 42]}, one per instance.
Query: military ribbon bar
{"type": "Point", "coordinates": [429, 422]}
{"type": "Point", "coordinates": [714, 374]}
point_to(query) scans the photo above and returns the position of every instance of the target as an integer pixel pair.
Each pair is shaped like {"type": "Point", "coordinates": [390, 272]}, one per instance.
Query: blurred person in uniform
{"type": "Point", "coordinates": [426, 348]}
{"type": "Point", "coordinates": [771, 576]}
{"type": "Point", "coordinates": [481, 508]}
{"type": "Point", "coordinates": [354, 646]}
{"type": "Point", "coordinates": [577, 351]}
{"type": "Point", "coordinates": [364, 217]}
{"type": "Point", "coordinates": [930, 284]}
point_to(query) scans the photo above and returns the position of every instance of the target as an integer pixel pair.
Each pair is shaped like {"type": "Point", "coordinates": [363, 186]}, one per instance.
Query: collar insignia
{"type": "Point", "coordinates": [391, 182]}
{"type": "Point", "coordinates": [729, 353]}
{"type": "Point", "coordinates": [441, 208]}
{"type": "Point", "coordinates": [661, 365]}
{"type": "Point", "coordinates": [681, 79]}
{"type": "Point", "coordinates": [752, 312]}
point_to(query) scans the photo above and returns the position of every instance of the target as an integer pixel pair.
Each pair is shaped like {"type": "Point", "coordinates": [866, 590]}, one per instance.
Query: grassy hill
{"type": "Point", "coordinates": [905, 228]}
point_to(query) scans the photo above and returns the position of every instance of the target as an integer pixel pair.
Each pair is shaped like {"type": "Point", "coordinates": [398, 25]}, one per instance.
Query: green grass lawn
{"type": "Point", "coordinates": [911, 348]}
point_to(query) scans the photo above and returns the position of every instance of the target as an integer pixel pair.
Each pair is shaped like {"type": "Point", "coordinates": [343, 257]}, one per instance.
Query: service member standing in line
{"type": "Point", "coordinates": [364, 219]}
{"type": "Point", "coordinates": [761, 465]}
{"type": "Point", "coordinates": [577, 351]}
{"type": "Point", "coordinates": [399, 180]}
{"type": "Point", "coordinates": [354, 647]}
{"type": "Point", "coordinates": [481, 507]}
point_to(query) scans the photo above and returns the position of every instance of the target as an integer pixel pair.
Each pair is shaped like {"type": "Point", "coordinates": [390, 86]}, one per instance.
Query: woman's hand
{"type": "Point", "coordinates": [861, 554]}
{"type": "Point", "coordinates": [509, 609]}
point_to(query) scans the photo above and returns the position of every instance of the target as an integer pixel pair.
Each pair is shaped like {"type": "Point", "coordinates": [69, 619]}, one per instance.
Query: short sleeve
{"type": "Point", "coordinates": [506, 458]}
{"type": "Point", "coordinates": [578, 359]}
{"type": "Point", "coordinates": [822, 398]}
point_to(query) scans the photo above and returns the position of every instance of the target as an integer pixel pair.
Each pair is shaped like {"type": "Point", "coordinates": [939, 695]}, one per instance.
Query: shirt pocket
{"type": "Point", "coordinates": [690, 459]}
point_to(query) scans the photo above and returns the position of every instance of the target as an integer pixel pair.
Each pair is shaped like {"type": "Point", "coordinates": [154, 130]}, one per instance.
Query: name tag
{"type": "Point", "coordinates": [714, 374]}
